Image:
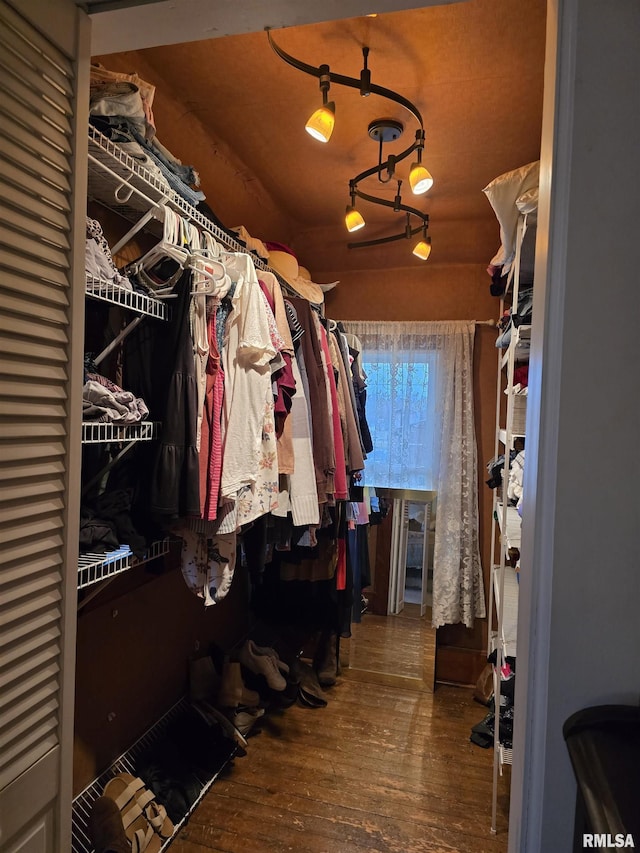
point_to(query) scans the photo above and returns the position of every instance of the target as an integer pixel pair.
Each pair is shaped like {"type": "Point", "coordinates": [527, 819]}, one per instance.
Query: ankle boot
{"type": "Point", "coordinates": [232, 689]}
{"type": "Point", "coordinates": [325, 660]}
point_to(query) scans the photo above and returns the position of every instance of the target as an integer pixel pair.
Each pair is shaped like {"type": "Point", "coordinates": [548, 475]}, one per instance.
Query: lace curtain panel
{"type": "Point", "coordinates": [421, 414]}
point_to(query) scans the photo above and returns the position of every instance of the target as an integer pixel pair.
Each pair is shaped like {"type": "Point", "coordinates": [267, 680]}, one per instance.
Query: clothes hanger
{"type": "Point", "coordinates": [209, 271]}
{"type": "Point", "coordinates": [170, 247]}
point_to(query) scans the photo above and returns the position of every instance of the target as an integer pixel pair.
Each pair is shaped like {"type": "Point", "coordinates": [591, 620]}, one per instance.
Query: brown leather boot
{"type": "Point", "coordinates": [325, 660]}
{"type": "Point", "coordinates": [233, 691]}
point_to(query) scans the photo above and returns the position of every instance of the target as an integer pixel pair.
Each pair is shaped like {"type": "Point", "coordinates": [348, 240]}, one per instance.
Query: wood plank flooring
{"type": "Point", "coordinates": [384, 768]}
{"type": "Point", "coordinates": [403, 645]}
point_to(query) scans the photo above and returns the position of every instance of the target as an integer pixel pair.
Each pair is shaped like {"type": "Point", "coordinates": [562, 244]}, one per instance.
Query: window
{"type": "Point", "coordinates": [401, 415]}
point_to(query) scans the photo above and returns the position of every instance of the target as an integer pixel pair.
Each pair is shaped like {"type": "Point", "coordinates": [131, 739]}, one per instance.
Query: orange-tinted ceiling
{"type": "Point", "coordinates": [474, 70]}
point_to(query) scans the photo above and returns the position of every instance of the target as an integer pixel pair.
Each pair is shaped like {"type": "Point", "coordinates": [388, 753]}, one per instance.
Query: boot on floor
{"type": "Point", "coordinates": [233, 691]}
{"type": "Point", "coordinates": [325, 660]}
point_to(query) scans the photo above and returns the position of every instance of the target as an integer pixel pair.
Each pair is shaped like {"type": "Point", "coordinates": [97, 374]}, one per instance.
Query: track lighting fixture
{"type": "Point", "coordinates": [383, 130]}
{"type": "Point", "coordinates": [422, 248]}
{"type": "Point", "coordinates": [353, 219]}
{"type": "Point", "coordinates": [420, 180]}
{"type": "Point", "coordinates": [320, 124]}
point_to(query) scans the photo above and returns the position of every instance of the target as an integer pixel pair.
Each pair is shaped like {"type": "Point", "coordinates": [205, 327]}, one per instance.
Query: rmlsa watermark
{"type": "Point", "coordinates": [606, 841]}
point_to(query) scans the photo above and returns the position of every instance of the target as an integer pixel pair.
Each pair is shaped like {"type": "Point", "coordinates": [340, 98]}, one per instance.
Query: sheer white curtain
{"type": "Point", "coordinates": [420, 411]}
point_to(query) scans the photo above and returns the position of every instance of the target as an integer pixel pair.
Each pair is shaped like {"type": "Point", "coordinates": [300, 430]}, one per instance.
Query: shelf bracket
{"type": "Point", "coordinates": [118, 339]}
{"type": "Point", "coordinates": [96, 479]}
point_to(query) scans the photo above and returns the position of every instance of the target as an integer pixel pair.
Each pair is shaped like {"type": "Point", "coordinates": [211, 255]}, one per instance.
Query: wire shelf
{"type": "Point", "coordinates": [126, 763]}
{"type": "Point", "coordinates": [151, 191]}
{"type": "Point", "coordinates": [117, 294]}
{"type": "Point", "coordinates": [120, 183]}
{"type": "Point", "coordinates": [157, 549]}
{"type": "Point", "coordinates": [104, 433]}
{"type": "Point", "coordinates": [96, 567]}
{"type": "Point", "coordinates": [93, 568]}
{"type": "Point", "coordinates": [506, 756]}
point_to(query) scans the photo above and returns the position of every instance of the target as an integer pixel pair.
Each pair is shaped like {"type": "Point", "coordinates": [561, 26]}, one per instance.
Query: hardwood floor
{"type": "Point", "coordinates": [384, 768]}
{"type": "Point", "coordinates": [403, 645]}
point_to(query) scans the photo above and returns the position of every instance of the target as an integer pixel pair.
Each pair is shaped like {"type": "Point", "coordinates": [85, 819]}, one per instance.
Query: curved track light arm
{"type": "Point", "coordinates": [363, 244]}
{"type": "Point", "coordinates": [342, 80]}
{"type": "Point", "coordinates": [424, 217]}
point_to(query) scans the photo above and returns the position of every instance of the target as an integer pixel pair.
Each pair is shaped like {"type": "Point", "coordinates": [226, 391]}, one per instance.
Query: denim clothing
{"type": "Point", "coordinates": [120, 130]}
{"type": "Point", "coordinates": [187, 173]}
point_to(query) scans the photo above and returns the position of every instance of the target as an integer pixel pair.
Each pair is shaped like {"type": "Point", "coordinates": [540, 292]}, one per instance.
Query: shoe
{"type": "Point", "coordinates": [325, 661]}
{"type": "Point", "coordinates": [233, 691]}
{"type": "Point", "coordinates": [212, 716]}
{"type": "Point", "coordinates": [105, 828]}
{"type": "Point", "coordinates": [134, 802]}
{"type": "Point", "coordinates": [310, 693]}
{"type": "Point", "coordinates": [267, 650]}
{"type": "Point", "coordinates": [486, 726]}
{"type": "Point", "coordinates": [262, 664]}
{"type": "Point", "coordinates": [245, 719]}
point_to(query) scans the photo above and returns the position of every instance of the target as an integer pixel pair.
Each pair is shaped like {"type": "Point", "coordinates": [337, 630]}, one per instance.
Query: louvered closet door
{"type": "Point", "coordinates": [42, 171]}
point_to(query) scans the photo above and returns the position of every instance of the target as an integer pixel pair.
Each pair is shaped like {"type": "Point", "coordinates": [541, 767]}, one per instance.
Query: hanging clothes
{"type": "Point", "coordinates": [249, 481]}
{"type": "Point", "coordinates": [210, 453]}
{"type": "Point", "coordinates": [175, 478]}
{"type": "Point", "coordinates": [310, 351]}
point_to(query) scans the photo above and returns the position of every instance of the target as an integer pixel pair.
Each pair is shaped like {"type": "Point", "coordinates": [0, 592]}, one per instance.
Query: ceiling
{"type": "Point", "coordinates": [474, 70]}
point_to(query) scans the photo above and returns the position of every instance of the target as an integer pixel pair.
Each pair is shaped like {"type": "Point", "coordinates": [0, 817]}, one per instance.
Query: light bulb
{"type": "Point", "coordinates": [353, 219]}
{"type": "Point", "coordinates": [422, 249]}
{"type": "Point", "coordinates": [321, 123]}
{"type": "Point", "coordinates": [419, 179]}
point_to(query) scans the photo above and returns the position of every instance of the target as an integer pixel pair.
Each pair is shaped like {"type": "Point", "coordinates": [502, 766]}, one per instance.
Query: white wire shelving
{"type": "Point", "coordinates": [127, 763]}
{"type": "Point", "coordinates": [122, 184]}
{"type": "Point", "coordinates": [93, 568]}
{"type": "Point", "coordinates": [118, 294]}
{"type": "Point", "coordinates": [96, 567]}
{"type": "Point", "coordinates": [108, 433]}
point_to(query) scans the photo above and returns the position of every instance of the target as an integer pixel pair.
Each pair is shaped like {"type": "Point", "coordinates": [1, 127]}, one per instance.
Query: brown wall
{"type": "Point", "coordinates": [133, 646]}
{"type": "Point", "coordinates": [235, 195]}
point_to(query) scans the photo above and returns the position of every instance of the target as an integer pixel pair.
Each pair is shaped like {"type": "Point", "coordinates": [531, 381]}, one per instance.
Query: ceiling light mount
{"type": "Point", "coordinates": [385, 130]}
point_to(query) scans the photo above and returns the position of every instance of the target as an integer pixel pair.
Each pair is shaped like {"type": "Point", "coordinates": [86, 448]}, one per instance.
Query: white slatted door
{"type": "Point", "coordinates": [41, 296]}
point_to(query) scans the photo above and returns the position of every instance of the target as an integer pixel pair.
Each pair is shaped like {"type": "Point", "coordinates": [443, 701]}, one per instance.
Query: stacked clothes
{"type": "Point", "coordinates": [118, 111]}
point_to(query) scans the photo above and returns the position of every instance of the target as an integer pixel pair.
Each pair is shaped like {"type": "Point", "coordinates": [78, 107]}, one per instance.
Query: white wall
{"type": "Point", "coordinates": [580, 588]}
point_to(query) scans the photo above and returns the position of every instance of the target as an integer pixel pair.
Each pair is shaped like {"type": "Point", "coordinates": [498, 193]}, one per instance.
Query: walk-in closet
{"type": "Point", "coordinates": [304, 434]}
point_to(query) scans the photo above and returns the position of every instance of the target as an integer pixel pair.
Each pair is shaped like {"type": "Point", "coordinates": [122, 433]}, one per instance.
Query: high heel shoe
{"type": "Point", "coordinates": [233, 691]}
